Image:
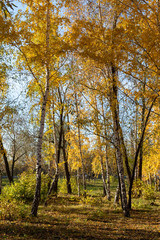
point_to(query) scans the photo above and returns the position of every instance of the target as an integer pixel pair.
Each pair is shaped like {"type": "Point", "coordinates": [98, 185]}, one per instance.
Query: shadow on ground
{"type": "Point", "coordinates": [141, 226]}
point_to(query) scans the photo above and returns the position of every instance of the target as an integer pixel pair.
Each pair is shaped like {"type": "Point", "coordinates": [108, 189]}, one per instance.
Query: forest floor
{"type": "Point", "coordinates": [72, 217]}
{"type": "Point", "coordinates": [92, 218]}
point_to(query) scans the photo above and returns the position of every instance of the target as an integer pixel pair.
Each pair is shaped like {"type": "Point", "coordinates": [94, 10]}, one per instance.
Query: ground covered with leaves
{"type": "Point", "coordinates": [70, 217]}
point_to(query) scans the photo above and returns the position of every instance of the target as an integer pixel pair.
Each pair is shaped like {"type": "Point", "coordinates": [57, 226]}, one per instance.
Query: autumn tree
{"type": "Point", "coordinates": [58, 126]}
{"type": "Point", "coordinates": [96, 36]}
{"type": "Point", "coordinates": [39, 46]}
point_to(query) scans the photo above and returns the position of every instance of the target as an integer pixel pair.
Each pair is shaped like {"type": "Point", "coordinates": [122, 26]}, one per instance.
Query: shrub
{"type": "Point", "coordinates": [63, 185]}
{"type": "Point", "coordinates": [92, 201]}
{"type": "Point", "coordinates": [113, 179]}
{"type": "Point", "coordinates": [137, 188]}
{"type": "Point", "coordinates": [24, 188]}
{"type": "Point", "coordinates": [146, 190]}
{"type": "Point", "coordinates": [11, 210]}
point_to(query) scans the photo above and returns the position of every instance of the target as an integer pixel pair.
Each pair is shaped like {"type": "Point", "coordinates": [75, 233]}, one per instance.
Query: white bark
{"type": "Point", "coordinates": [42, 121]}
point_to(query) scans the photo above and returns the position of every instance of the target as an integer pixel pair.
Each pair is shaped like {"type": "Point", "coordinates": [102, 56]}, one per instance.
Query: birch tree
{"type": "Point", "coordinates": [40, 47]}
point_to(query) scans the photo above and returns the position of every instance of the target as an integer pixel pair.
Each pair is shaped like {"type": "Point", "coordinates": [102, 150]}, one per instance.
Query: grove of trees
{"type": "Point", "coordinates": [89, 73]}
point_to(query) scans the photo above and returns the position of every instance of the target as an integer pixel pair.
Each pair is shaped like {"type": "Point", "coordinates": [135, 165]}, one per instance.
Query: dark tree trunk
{"type": "Point", "coordinates": [137, 153]}
{"type": "Point", "coordinates": [0, 181]}
{"type": "Point", "coordinates": [142, 126]}
{"type": "Point", "coordinates": [159, 184]}
{"type": "Point", "coordinates": [3, 152]}
{"type": "Point", "coordinates": [69, 190]}
{"type": "Point", "coordinates": [103, 176]}
{"type": "Point", "coordinates": [54, 185]}
{"type": "Point", "coordinates": [125, 155]}
{"type": "Point", "coordinates": [78, 182]}
{"type": "Point", "coordinates": [13, 163]}
{"type": "Point", "coordinates": [155, 182]}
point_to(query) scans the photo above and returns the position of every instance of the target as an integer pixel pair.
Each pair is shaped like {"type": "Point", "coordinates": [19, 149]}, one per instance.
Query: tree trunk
{"type": "Point", "coordinates": [0, 181]}
{"type": "Point", "coordinates": [117, 194]}
{"type": "Point", "coordinates": [13, 163]}
{"type": "Point", "coordinates": [54, 184]}
{"type": "Point", "coordinates": [78, 182]}
{"type": "Point", "coordinates": [125, 155]}
{"type": "Point", "coordinates": [159, 184]}
{"type": "Point", "coordinates": [80, 148]}
{"type": "Point", "coordinates": [142, 126]}
{"type": "Point", "coordinates": [114, 106]}
{"type": "Point", "coordinates": [155, 181]}
{"type": "Point", "coordinates": [108, 176]}
{"type": "Point", "coordinates": [39, 155]}
{"type": "Point", "coordinates": [107, 163]}
{"type": "Point", "coordinates": [150, 179]}
{"type": "Point", "coordinates": [36, 199]}
{"type": "Point", "coordinates": [137, 153]}
{"type": "Point", "coordinates": [136, 141]}
{"type": "Point", "coordinates": [69, 190]}
{"type": "Point", "coordinates": [3, 152]}
{"type": "Point", "coordinates": [103, 175]}
{"type": "Point", "coordinates": [117, 140]}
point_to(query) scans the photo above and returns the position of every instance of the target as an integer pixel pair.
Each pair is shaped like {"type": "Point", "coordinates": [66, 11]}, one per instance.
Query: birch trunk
{"type": "Point", "coordinates": [142, 126]}
{"type": "Point", "coordinates": [108, 177]}
{"type": "Point", "coordinates": [107, 162]}
{"type": "Point", "coordinates": [114, 105]}
{"type": "Point", "coordinates": [117, 140]}
{"type": "Point", "coordinates": [116, 198]}
{"type": "Point", "coordinates": [80, 148]}
{"type": "Point", "coordinates": [36, 199]}
{"type": "Point", "coordinates": [39, 155]}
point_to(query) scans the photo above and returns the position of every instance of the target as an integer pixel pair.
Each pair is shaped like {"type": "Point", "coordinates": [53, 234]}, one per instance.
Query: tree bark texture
{"type": "Point", "coordinates": [80, 148]}
{"type": "Point", "coordinates": [78, 182]}
{"type": "Point", "coordinates": [103, 175]}
{"type": "Point", "coordinates": [54, 185]}
{"type": "Point", "coordinates": [117, 194]}
{"type": "Point", "coordinates": [36, 199]}
{"type": "Point", "coordinates": [69, 190]}
{"type": "Point", "coordinates": [106, 152]}
{"type": "Point", "coordinates": [108, 176]}
{"type": "Point", "coordinates": [117, 140]}
{"type": "Point", "coordinates": [137, 153]}
{"type": "Point", "coordinates": [0, 181]}
{"type": "Point", "coordinates": [142, 126]}
{"type": "Point", "coordinates": [125, 155]}
{"type": "Point", "coordinates": [3, 152]}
